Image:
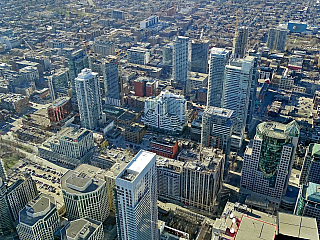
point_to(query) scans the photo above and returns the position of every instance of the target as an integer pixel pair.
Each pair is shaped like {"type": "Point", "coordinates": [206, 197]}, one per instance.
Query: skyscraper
{"type": "Point", "coordinates": [236, 95]}
{"type": "Point", "coordinates": [112, 87]}
{"type": "Point", "coordinates": [39, 219]}
{"type": "Point", "coordinates": [199, 56]}
{"type": "Point", "coordinates": [6, 223]}
{"type": "Point", "coordinates": [78, 60]}
{"type": "Point", "coordinates": [218, 60]}
{"type": "Point", "coordinates": [84, 196]}
{"type": "Point", "coordinates": [136, 199]}
{"type": "Point", "coordinates": [240, 42]}
{"type": "Point", "coordinates": [180, 59]}
{"type": "Point", "coordinates": [311, 165]}
{"type": "Point", "coordinates": [19, 193]}
{"type": "Point", "coordinates": [268, 160]}
{"type": "Point", "coordinates": [308, 201]}
{"type": "Point", "coordinates": [277, 38]}
{"type": "Point", "coordinates": [89, 98]}
{"type": "Point", "coordinates": [217, 128]}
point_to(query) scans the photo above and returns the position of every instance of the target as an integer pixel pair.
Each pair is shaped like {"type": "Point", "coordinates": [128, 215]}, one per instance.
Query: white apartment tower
{"type": "Point", "coordinates": [136, 199]}
{"type": "Point", "coordinates": [181, 59]}
{"type": "Point", "coordinates": [218, 61]}
{"type": "Point", "coordinates": [166, 112]}
{"type": "Point", "coordinates": [240, 42]}
{"type": "Point", "coordinates": [89, 98]}
{"type": "Point", "coordinates": [268, 160]}
{"type": "Point", "coordinates": [236, 94]}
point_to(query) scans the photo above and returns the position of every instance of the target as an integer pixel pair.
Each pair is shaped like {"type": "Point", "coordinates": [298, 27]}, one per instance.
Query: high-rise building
{"type": "Point", "coordinates": [169, 176]}
{"type": "Point", "coordinates": [39, 219]}
{"type": "Point", "coordinates": [111, 78]}
{"type": "Point", "coordinates": [59, 83]}
{"type": "Point", "coordinates": [308, 201]}
{"type": "Point", "coordinates": [89, 98]}
{"type": "Point", "coordinates": [3, 174]}
{"type": "Point", "coordinates": [268, 160]}
{"type": "Point", "coordinates": [138, 55]}
{"type": "Point", "coordinates": [202, 181]}
{"type": "Point", "coordinates": [277, 38]}
{"type": "Point", "coordinates": [84, 196]}
{"type": "Point", "coordinates": [195, 181]}
{"type": "Point", "coordinates": [167, 51]}
{"type": "Point", "coordinates": [218, 61]}
{"type": "Point", "coordinates": [19, 193]}
{"type": "Point", "coordinates": [311, 165]}
{"type": "Point", "coordinates": [217, 129]}
{"type": "Point", "coordinates": [180, 59]}
{"type": "Point", "coordinates": [6, 223]}
{"type": "Point", "coordinates": [78, 60]}
{"type": "Point", "coordinates": [83, 229]}
{"type": "Point", "coordinates": [236, 95]}
{"type": "Point", "coordinates": [71, 146]}
{"type": "Point", "coordinates": [253, 91]}
{"type": "Point", "coordinates": [165, 112]}
{"type": "Point", "coordinates": [136, 199]}
{"type": "Point", "coordinates": [240, 42]}
{"type": "Point", "coordinates": [199, 56]}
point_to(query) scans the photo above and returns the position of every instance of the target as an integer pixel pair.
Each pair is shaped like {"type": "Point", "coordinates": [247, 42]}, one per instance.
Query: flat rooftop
{"type": "Point", "coordinates": [222, 112]}
{"type": "Point", "coordinates": [37, 209]}
{"type": "Point", "coordinates": [82, 228]}
{"type": "Point", "coordinates": [254, 229]}
{"type": "Point", "coordinates": [297, 226]}
{"type": "Point", "coordinates": [137, 164]}
{"type": "Point", "coordinates": [79, 183]}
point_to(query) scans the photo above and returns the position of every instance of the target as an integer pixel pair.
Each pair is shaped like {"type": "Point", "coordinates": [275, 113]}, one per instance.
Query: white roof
{"type": "Point", "coordinates": [141, 160]}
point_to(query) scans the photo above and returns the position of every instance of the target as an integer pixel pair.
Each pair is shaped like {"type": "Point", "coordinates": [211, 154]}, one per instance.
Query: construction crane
{"type": "Point", "coordinates": [84, 44]}
{"type": "Point", "coordinates": [32, 52]}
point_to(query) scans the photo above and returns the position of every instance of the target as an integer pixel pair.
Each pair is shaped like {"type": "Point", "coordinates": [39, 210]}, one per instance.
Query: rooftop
{"type": "Point", "coordinates": [36, 209]}
{"type": "Point", "coordinates": [137, 164]}
{"type": "Point", "coordinates": [279, 130]}
{"type": "Point", "coordinates": [82, 229]}
{"type": "Point", "coordinates": [297, 226]}
{"type": "Point", "coordinates": [79, 183]}
{"type": "Point", "coordinates": [254, 229]}
{"type": "Point", "coordinates": [222, 112]}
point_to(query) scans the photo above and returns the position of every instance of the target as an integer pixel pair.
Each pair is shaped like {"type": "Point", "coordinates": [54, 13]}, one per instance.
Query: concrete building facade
{"type": "Point", "coordinates": [136, 199]}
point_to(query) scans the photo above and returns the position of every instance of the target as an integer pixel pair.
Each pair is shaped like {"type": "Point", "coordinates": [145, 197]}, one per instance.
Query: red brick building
{"type": "Point", "coordinates": [164, 147]}
{"type": "Point", "coordinates": [140, 87]}
{"type": "Point", "coordinates": [59, 109]}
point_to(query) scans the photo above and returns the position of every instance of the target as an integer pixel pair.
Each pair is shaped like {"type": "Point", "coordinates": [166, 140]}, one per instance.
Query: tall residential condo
{"type": "Point", "coordinates": [89, 98]}
{"type": "Point", "coordinates": [111, 79]}
{"type": "Point", "coordinates": [180, 59]}
{"type": "Point", "coordinates": [268, 160]}
{"type": "Point", "coordinates": [277, 38]}
{"type": "Point", "coordinates": [236, 95]}
{"type": "Point", "coordinates": [311, 165]}
{"type": "Point", "coordinates": [136, 199]}
{"type": "Point", "coordinates": [217, 128]}
{"type": "Point", "coordinates": [199, 55]}
{"type": "Point", "coordinates": [218, 61]}
{"type": "Point", "coordinates": [6, 223]}
{"type": "Point", "coordinates": [240, 42]}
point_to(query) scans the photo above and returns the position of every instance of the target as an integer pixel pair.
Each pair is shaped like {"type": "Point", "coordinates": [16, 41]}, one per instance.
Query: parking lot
{"type": "Point", "coordinates": [47, 180]}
